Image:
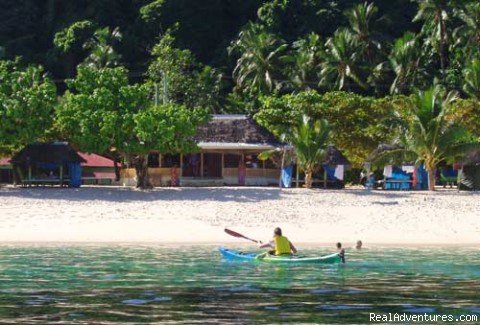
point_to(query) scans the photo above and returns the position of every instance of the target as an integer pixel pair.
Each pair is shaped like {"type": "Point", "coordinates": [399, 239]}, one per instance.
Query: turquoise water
{"type": "Point", "coordinates": [143, 284]}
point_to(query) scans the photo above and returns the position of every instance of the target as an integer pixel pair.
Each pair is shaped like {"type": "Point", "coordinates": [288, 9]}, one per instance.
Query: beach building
{"type": "Point", "coordinates": [6, 172]}
{"type": "Point", "coordinates": [52, 163]}
{"type": "Point", "coordinates": [45, 161]}
{"type": "Point", "coordinates": [97, 170]}
{"type": "Point", "coordinates": [229, 146]}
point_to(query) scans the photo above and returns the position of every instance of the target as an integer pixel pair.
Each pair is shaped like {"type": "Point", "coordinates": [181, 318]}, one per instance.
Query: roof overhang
{"type": "Point", "coordinates": [235, 146]}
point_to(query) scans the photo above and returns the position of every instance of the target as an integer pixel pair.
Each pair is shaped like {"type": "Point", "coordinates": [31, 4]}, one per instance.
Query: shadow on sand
{"type": "Point", "coordinates": [221, 194]}
{"type": "Point", "coordinates": [123, 194]}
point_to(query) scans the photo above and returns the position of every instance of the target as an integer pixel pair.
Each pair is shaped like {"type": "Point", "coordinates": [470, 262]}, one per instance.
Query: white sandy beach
{"type": "Point", "coordinates": [184, 215]}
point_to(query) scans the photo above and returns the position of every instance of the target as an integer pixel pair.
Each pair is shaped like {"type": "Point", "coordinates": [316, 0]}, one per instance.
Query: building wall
{"type": "Point", "coordinates": [6, 175]}
{"type": "Point", "coordinates": [88, 170]}
{"type": "Point", "coordinates": [162, 177]}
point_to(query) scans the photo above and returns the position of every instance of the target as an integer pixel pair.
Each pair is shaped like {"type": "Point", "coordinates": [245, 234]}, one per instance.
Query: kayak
{"type": "Point", "coordinates": [235, 255]}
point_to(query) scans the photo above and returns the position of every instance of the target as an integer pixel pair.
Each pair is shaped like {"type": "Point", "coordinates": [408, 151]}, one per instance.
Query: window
{"type": "Point", "coordinates": [169, 161]}
{"type": "Point", "coordinates": [231, 161]}
{"type": "Point", "coordinates": [153, 160]}
{"type": "Point", "coordinates": [252, 161]}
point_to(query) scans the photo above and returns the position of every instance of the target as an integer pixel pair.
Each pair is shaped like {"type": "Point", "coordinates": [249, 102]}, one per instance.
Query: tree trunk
{"type": "Point", "coordinates": [116, 167]}
{"type": "Point", "coordinates": [431, 178]}
{"type": "Point", "coordinates": [308, 178]}
{"type": "Point", "coordinates": [443, 44]}
{"type": "Point", "coordinates": [141, 168]}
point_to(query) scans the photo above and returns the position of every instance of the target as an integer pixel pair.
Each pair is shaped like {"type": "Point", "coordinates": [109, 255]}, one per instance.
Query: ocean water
{"type": "Point", "coordinates": [121, 284]}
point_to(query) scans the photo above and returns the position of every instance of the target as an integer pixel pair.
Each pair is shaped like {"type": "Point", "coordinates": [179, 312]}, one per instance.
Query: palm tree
{"type": "Point", "coordinates": [428, 136]}
{"type": "Point", "coordinates": [101, 48]}
{"type": "Point", "coordinates": [259, 59]}
{"type": "Point", "coordinates": [468, 34]}
{"type": "Point", "coordinates": [472, 79]}
{"type": "Point", "coordinates": [304, 61]}
{"type": "Point", "coordinates": [362, 19]}
{"type": "Point", "coordinates": [342, 62]}
{"type": "Point", "coordinates": [405, 62]}
{"type": "Point", "coordinates": [309, 139]}
{"type": "Point", "coordinates": [435, 14]}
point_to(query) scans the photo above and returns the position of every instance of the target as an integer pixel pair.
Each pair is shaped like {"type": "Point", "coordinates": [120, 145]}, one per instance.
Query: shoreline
{"type": "Point", "coordinates": [197, 216]}
{"type": "Point", "coordinates": [305, 245]}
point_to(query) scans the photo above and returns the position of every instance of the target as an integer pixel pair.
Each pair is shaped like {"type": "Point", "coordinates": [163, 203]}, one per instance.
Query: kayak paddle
{"type": "Point", "coordinates": [236, 234]}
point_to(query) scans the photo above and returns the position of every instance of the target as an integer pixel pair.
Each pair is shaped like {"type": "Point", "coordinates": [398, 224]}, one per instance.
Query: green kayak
{"type": "Point", "coordinates": [235, 255]}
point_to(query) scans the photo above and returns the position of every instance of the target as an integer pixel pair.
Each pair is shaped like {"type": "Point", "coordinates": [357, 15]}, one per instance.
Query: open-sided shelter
{"type": "Point", "coordinates": [52, 163]}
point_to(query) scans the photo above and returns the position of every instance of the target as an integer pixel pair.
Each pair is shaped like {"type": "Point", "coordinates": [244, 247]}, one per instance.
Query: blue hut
{"type": "Point", "coordinates": [52, 163]}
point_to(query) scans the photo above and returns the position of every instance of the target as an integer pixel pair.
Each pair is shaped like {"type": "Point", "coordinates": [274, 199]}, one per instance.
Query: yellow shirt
{"type": "Point", "coordinates": [282, 245]}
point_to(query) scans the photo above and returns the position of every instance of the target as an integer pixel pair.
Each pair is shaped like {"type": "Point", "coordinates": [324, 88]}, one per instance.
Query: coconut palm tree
{"type": "Point", "coordinates": [260, 53]}
{"type": "Point", "coordinates": [342, 62]}
{"type": "Point", "coordinates": [467, 35]}
{"type": "Point", "coordinates": [362, 20]}
{"type": "Point", "coordinates": [427, 136]}
{"type": "Point", "coordinates": [405, 62]}
{"type": "Point", "coordinates": [309, 139]}
{"type": "Point", "coordinates": [435, 14]}
{"type": "Point", "coordinates": [472, 79]}
{"type": "Point", "coordinates": [302, 64]}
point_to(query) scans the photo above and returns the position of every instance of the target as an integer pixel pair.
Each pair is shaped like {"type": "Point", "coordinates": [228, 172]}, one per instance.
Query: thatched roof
{"type": "Point", "coordinates": [51, 152]}
{"type": "Point", "coordinates": [235, 129]}
{"type": "Point", "coordinates": [335, 157]}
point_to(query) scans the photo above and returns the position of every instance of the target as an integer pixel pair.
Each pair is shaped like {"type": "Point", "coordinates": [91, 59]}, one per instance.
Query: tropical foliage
{"type": "Point", "coordinates": [181, 79]}
{"type": "Point", "coordinates": [310, 139]}
{"type": "Point", "coordinates": [405, 63]}
{"type": "Point", "coordinates": [358, 123]}
{"type": "Point", "coordinates": [27, 101]}
{"type": "Point", "coordinates": [258, 64]}
{"type": "Point", "coordinates": [428, 137]}
{"type": "Point", "coordinates": [471, 76]}
{"type": "Point", "coordinates": [102, 112]}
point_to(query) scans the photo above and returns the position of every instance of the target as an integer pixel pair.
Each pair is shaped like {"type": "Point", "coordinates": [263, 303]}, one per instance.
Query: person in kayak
{"type": "Point", "coordinates": [280, 244]}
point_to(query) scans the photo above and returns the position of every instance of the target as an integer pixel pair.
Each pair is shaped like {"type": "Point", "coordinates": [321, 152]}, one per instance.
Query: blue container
{"type": "Point", "coordinates": [75, 172]}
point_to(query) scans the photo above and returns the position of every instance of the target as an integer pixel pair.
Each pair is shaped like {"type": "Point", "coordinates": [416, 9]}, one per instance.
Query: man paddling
{"type": "Point", "coordinates": [280, 244]}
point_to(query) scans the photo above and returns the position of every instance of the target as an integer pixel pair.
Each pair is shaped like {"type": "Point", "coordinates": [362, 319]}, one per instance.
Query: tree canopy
{"type": "Point", "coordinates": [356, 121]}
{"type": "Point", "coordinates": [102, 112]}
{"type": "Point", "coordinates": [27, 101]}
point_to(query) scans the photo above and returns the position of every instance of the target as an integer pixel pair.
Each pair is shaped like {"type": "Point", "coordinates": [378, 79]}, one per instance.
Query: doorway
{"type": "Point", "coordinates": [212, 165]}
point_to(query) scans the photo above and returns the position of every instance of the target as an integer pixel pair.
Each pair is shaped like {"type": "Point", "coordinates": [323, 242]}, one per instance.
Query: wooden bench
{"type": "Point", "coordinates": [45, 181]}
{"type": "Point", "coordinates": [395, 181]}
